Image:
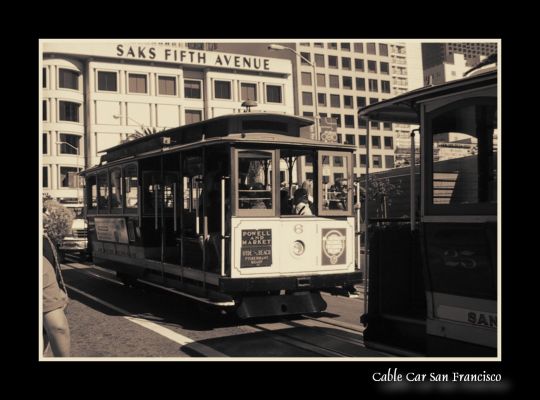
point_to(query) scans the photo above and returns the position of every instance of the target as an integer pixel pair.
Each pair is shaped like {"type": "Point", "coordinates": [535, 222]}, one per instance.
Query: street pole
{"type": "Point", "coordinates": [316, 100]}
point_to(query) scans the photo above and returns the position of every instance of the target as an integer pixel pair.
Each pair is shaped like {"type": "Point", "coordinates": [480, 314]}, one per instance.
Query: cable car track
{"type": "Point", "coordinates": [320, 336]}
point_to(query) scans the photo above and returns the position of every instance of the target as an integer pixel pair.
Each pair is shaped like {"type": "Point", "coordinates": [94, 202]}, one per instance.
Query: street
{"type": "Point", "coordinates": [108, 319]}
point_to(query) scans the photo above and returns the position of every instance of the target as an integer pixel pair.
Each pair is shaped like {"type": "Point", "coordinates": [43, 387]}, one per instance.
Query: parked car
{"type": "Point", "coordinates": [77, 241]}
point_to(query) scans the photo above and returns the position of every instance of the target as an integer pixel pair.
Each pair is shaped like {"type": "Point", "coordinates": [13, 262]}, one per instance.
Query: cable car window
{"type": "Point", "coordinates": [296, 173]}
{"type": "Point", "coordinates": [103, 192]}
{"type": "Point", "coordinates": [255, 170]}
{"type": "Point", "coordinates": [335, 193]}
{"type": "Point", "coordinates": [91, 193]}
{"type": "Point", "coordinates": [151, 191]}
{"type": "Point", "coordinates": [131, 188]}
{"type": "Point", "coordinates": [464, 154]}
{"type": "Point", "coordinates": [116, 189]}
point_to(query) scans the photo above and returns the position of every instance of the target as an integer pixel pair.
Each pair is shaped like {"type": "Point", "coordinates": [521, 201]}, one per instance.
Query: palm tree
{"type": "Point", "coordinates": [145, 131]}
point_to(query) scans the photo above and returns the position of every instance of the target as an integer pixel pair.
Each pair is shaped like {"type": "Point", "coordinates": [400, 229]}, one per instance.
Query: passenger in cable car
{"type": "Point", "coordinates": [301, 203]}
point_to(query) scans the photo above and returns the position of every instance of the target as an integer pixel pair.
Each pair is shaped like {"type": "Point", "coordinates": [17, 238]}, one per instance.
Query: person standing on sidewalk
{"type": "Point", "coordinates": [55, 301]}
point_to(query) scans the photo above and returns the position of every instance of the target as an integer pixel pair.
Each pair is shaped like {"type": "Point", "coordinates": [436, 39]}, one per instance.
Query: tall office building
{"type": "Point", "coordinates": [437, 53]}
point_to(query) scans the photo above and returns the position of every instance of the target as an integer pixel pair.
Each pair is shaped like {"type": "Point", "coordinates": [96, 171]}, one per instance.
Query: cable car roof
{"type": "Point", "coordinates": [222, 126]}
{"type": "Point", "coordinates": [402, 108]}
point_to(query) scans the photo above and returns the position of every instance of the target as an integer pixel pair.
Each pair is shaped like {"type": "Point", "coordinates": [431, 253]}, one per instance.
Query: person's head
{"type": "Point", "coordinates": [300, 196]}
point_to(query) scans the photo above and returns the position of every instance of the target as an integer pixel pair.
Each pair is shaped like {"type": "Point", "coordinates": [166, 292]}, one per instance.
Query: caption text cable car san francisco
{"type": "Point", "coordinates": [213, 210]}
{"type": "Point", "coordinates": [431, 284]}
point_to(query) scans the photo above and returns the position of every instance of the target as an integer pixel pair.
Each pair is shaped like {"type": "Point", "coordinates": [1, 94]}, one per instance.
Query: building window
{"type": "Point", "coordinates": [360, 84]}
{"type": "Point", "coordinates": [347, 82]}
{"type": "Point", "coordinates": [387, 126]}
{"type": "Point", "coordinates": [363, 160]}
{"type": "Point", "coordinates": [349, 121]}
{"type": "Point", "coordinates": [370, 48]}
{"type": "Point", "coordinates": [319, 60]}
{"type": "Point", "coordinates": [44, 116]}
{"type": "Point", "coordinates": [349, 139]}
{"type": "Point", "coordinates": [304, 44]}
{"type": "Point", "coordinates": [321, 80]}
{"type": "Point", "coordinates": [273, 94]}
{"type": "Point", "coordinates": [307, 98]}
{"type": "Point", "coordinates": [374, 125]}
{"type": "Point", "coordinates": [70, 144]}
{"type": "Point", "coordinates": [346, 46]}
{"type": "Point", "coordinates": [68, 79]}
{"type": "Point", "coordinates": [44, 76]}
{"type": "Point", "coordinates": [385, 68]}
{"type": "Point", "coordinates": [389, 161]}
{"type": "Point", "coordinates": [107, 81]}
{"type": "Point", "coordinates": [345, 63]}
{"type": "Point", "coordinates": [248, 91]}
{"type": "Point", "coordinates": [362, 140]}
{"type": "Point", "coordinates": [360, 101]}
{"type": "Point", "coordinates": [334, 100]}
{"type": "Point", "coordinates": [376, 142]}
{"type": "Point", "coordinates": [383, 49]}
{"type": "Point", "coordinates": [45, 181]}
{"type": "Point", "coordinates": [192, 89]}
{"type": "Point", "coordinates": [359, 64]}
{"type": "Point", "coordinates": [307, 114]}
{"type": "Point", "coordinates": [137, 83]}
{"type": "Point", "coordinates": [193, 116]}
{"type": "Point", "coordinates": [377, 161]}
{"type": "Point", "coordinates": [385, 86]}
{"type": "Point", "coordinates": [318, 44]}
{"type": "Point", "coordinates": [305, 56]}
{"type": "Point", "coordinates": [222, 90]}
{"type": "Point", "coordinates": [195, 46]}
{"type": "Point", "coordinates": [332, 46]}
{"type": "Point", "coordinates": [68, 177]}
{"type": "Point", "coordinates": [322, 99]}
{"type": "Point", "coordinates": [359, 47]}
{"type": "Point", "coordinates": [334, 81]}
{"type": "Point", "coordinates": [332, 61]}
{"type": "Point", "coordinates": [45, 149]}
{"type": "Point", "coordinates": [69, 111]}
{"type": "Point", "coordinates": [373, 100]}
{"type": "Point", "coordinates": [338, 161]}
{"type": "Point", "coordinates": [340, 138]}
{"type": "Point", "coordinates": [362, 123]}
{"type": "Point", "coordinates": [348, 102]}
{"type": "Point", "coordinates": [388, 142]}
{"type": "Point", "coordinates": [338, 119]}
{"type": "Point", "coordinates": [306, 78]}
{"type": "Point", "coordinates": [373, 86]}
{"type": "Point", "coordinates": [167, 85]}
{"type": "Point", "coordinates": [372, 66]}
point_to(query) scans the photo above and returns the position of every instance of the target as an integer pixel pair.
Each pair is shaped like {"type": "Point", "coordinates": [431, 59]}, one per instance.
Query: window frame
{"type": "Point", "coordinates": [433, 210]}
{"type": "Point", "coordinates": [147, 93]}
{"type": "Point", "coordinates": [67, 120]}
{"type": "Point", "coordinates": [78, 73]}
{"type": "Point", "coordinates": [230, 82]}
{"type": "Point", "coordinates": [200, 88]}
{"type": "Point", "coordinates": [280, 86]}
{"type": "Point", "coordinates": [98, 90]}
{"type": "Point", "coordinates": [347, 155]}
{"type": "Point", "coordinates": [242, 212]}
{"type": "Point", "coordinates": [175, 85]}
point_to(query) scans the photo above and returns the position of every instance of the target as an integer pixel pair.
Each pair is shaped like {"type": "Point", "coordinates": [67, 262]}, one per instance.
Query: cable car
{"type": "Point", "coordinates": [241, 212]}
{"type": "Point", "coordinates": [431, 286]}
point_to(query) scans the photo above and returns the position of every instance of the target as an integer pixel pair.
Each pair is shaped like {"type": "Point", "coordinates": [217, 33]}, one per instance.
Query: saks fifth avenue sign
{"type": "Point", "coordinates": [108, 50]}
{"type": "Point", "coordinates": [187, 56]}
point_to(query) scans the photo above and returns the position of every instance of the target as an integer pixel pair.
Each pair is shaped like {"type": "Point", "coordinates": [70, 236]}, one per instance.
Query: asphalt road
{"type": "Point", "coordinates": [108, 319]}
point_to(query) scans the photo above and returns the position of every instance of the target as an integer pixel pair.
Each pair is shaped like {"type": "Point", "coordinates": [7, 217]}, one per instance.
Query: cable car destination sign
{"type": "Point", "coordinates": [256, 250]}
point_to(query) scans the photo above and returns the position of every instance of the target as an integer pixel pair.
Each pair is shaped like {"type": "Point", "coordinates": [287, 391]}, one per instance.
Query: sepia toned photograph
{"type": "Point", "coordinates": [297, 200]}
